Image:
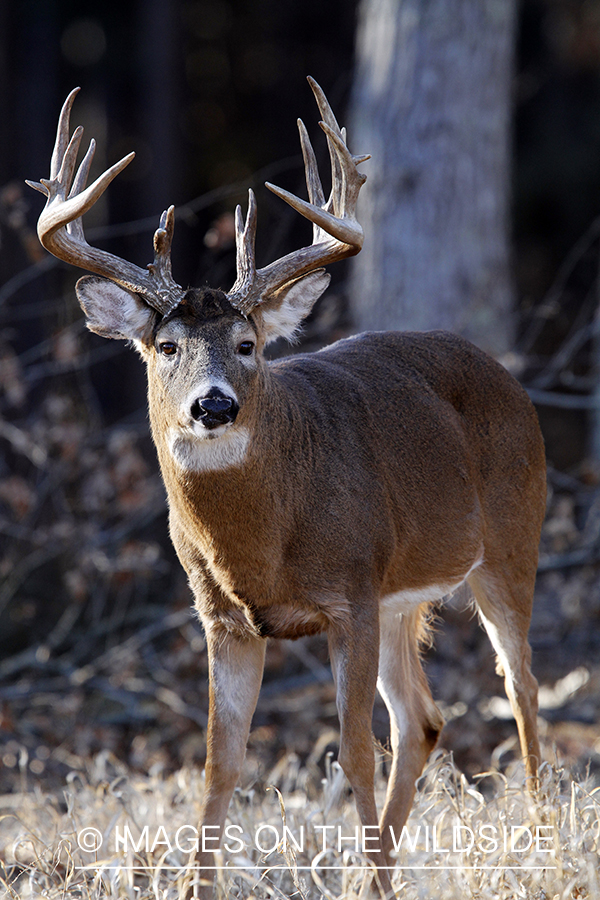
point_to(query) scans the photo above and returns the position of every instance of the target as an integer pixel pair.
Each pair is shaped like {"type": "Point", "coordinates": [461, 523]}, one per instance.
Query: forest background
{"type": "Point", "coordinates": [99, 652]}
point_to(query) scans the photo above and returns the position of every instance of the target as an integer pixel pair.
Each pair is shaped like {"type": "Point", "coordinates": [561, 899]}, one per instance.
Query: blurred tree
{"type": "Point", "coordinates": [432, 103]}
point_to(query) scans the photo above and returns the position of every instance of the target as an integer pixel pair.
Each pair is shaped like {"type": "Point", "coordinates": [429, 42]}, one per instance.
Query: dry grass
{"type": "Point", "coordinates": [39, 836]}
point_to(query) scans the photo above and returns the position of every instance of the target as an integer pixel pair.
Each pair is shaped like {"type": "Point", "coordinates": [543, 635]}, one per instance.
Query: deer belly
{"type": "Point", "coordinates": [294, 621]}
{"type": "Point", "coordinates": [282, 620]}
{"type": "Point", "coordinates": [405, 600]}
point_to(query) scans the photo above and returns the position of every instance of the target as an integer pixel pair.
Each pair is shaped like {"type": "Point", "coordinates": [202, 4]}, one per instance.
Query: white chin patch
{"type": "Point", "coordinates": [217, 449]}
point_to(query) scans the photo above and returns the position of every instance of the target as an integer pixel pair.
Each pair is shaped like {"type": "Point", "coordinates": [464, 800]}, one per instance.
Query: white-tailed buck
{"type": "Point", "coordinates": [341, 491]}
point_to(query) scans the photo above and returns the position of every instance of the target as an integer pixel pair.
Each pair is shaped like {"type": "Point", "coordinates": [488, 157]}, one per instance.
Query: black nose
{"type": "Point", "coordinates": [215, 409]}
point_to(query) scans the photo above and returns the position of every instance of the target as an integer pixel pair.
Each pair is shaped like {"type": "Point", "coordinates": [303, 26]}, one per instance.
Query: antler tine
{"type": "Point", "coordinates": [345, 230]}
{"type": "Point", "coordinates": [245, 235]}
{"type": "Point", "coordinates": [60, 228]}
{"type": "Point", "coordinates": [75, 227]}
{"type": "Point", "coordinates": [313, 180]}
{"type": "Point", "coordinates": [350, 181]}
{"type": "Point", "coordinates": [62, 134]}
{"type": "Point", "coordinates": [163, 236]}
{"type": "Point", "coordinates": [324, 107]}
{"type": "Point", "coordinates": [67, 169]}
{"type": "Point", "coordinates": [330, 120]}
{"type": "Point", "coordinates": [160, 269]}
{"type": "Point", "coordinates": [314, 187]}
{"type": "Point", "coordinates": [242, 293]}
{"type": "Point", "coordinates": [336, 232]}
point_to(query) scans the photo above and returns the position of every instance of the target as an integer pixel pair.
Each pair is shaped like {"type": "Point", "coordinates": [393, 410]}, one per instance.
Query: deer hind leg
{"type": "Point", "coordinates": [415, 720]}
{"type": "Point", "coordinates": [505, 603]}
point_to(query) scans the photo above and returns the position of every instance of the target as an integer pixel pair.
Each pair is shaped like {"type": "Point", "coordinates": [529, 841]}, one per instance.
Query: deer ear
{"type": "Point", "coordinates": [111, 311]}
{"type": "Point", "coordinates": [282, 315]}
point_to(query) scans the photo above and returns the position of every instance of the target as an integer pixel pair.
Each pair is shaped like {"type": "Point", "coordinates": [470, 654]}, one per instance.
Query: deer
{"type": "Point", "coordinates": [342, 491]}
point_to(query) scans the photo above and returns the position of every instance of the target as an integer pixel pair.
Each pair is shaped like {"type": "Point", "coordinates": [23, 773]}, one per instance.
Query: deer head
{"type": "Point", "coordinates": [203, 347]}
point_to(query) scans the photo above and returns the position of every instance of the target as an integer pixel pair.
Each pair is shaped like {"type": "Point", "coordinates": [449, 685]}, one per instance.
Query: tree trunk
{"type": "Point", "coordinates": [432, 104]}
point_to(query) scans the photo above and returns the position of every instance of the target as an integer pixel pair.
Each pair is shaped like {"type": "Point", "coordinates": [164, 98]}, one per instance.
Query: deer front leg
{"type": "Point", "coordinates": [235, 672]}
{"type": "Point", "coordinates": [354, 654]}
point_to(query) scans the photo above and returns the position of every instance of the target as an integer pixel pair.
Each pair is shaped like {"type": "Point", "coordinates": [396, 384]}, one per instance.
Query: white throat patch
{"type": "Point", "coordinates": [208, 454]}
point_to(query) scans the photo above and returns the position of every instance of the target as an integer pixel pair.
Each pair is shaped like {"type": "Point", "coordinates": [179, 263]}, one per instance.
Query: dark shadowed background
{"type": "Point", "coordinates": [98, 650]}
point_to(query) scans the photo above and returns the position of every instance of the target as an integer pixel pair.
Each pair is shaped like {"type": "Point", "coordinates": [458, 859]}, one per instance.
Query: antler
{"type": "Point", "coordinates": [60, 228]}
{"type": "Point", "coordinates": [336, 232]}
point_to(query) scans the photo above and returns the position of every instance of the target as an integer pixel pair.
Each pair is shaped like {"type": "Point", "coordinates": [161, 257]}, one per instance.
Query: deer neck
{"type": "Point", "coordinates": [241, 504]}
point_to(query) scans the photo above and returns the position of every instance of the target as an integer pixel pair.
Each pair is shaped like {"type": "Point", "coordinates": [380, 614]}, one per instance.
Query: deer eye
{"type": "Point", "coordinates": [167, 348]}
{"type": "Point", "coordinates": [246, 348]}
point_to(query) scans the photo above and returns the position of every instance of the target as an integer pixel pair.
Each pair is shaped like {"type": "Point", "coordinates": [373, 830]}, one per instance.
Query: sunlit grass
{"type": "Point", "coordinates": [555, 850]}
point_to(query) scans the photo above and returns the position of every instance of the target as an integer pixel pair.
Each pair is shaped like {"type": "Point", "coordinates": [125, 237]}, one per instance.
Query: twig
{"type": "Point", "coordinates": [300, 651]}
{"type": "Point", "coordinates": [582, 557]}
{"type": "Point", "coordinates": [24, 567]}
{"type": "Point", "coordinates": [558, 286]}
{"type": "Point", "coordinates": [133, 644]}
{"type": "Point", "coordinates": [563, 401]}
{"type": "Point", "coordinates": [287, 685]}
